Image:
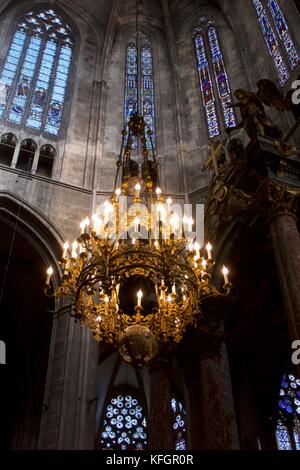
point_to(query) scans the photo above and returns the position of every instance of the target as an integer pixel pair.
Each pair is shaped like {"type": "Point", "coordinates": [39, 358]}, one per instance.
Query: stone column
{"type": "Point", "coordinates": [279, 206]}
{"type": "Point", "coordinates": [210, 407]}
{"type": "Point", "coordinates": [161, 422]}
{"type": "Point", "coordinates": [15, 155]}
{"type": "Point", "coordinates": [286, 244]}
{"type": "Point", "coordinates": [217, 403]}
{"type": "Point", "coordinates": [35, 161]}
{"type": "Point", "coordinates": [69, 414]}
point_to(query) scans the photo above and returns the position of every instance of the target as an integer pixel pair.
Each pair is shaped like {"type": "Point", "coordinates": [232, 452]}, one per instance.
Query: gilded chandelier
{"type": "Point", "coordinates": [136, 274]}
{"type": "Point", "coordinates": [148, 245]}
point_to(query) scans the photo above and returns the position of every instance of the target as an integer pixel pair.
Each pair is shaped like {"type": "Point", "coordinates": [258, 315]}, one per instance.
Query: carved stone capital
{"type": "Point", "coordinates": [274, 199]}
{"type": "Point", "coordinates": [225, 203]}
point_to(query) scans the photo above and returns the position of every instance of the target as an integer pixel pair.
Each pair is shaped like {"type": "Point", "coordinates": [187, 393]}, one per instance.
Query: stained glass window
{"type": "Point", "coordinates": [124, 426]}
{"type": "Point", "coordinates": [131, 82]}
{"type": "Point", "coordinates": [213, 80]}
{"type": "Point", "coordinates": [147, 102]}
{"type": "Point", "coordinates": [35, 74]}
{"type": "Point", "coordinates": [283, 32]}
{"type": "Point", "coordinates": [221, 77]}
{"type": "Point", "coordinates": [179, 424]}
{"type": "Point", "coordinates": [271, 39]}
{"type": "Point", "coordinates": [206, 85]}
{"type": "Point", "coordinates": [288, 422]}
{"type": "Point", "coordinates": [148, 90]}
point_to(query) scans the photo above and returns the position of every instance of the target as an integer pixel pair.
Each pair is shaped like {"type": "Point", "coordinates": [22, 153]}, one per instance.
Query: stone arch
{"type": "Point", "coordinates": [8, 143]}
{"type": "Point", "coordinates": [32, 225]}
{"type": "Point", "coordinates": [47, 155]}
{"type": "Point", "coordinates": [26, 155]}
{"type": "Point", "coordinates": [28, 245]}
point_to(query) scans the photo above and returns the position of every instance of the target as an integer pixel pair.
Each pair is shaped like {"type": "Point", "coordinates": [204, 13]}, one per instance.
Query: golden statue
{"type": "Point", "coordinates": [254, 118]}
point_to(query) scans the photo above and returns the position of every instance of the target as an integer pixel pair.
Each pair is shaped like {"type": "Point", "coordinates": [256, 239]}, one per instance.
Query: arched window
{"type": "Point", "coordinates": [26, 155]}
{"type": "Point", "coordinates": [46, 160]}
{"type": "Point", "coordinates": [8, 144]}
{"type": "Point", "coordinates": [124, 425]}
{"type": "Point", "coordinates": [213, 78]}
{"type": "Point", "coordinates": [288, 420]}
{"type": "Point", "coordinates": [276, 34]}
{"type": "Point", "coordinates": [146, 86]}
{"type": "Point", "coordinates": [179, 424]}
{"type": "Point", "coordinates": [35, 75]}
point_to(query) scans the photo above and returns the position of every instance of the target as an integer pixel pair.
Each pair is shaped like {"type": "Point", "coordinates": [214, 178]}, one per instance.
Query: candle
{"type": "Point", "coordinates": [208, 249]}
{"type": "Point", "coordinates": [96, 223]}
{"type": "Point", "coordinates": [65, 249]}
{"type": "Point", "coordinates": [86, 225]}
{"type": "Point", "coordinates": [191, 246]}
{"type": "Point", "coordinates": [259, 444]}
{"type": "Point", "coordinates": [174, 289]}
{"type": "Point", "coordinates": [139, 298]}
{"type": "Point", "coordinates": [137, 190]}
{"type": "Point", "coordinates": [225, 274]}
{"type": "Point", "coordinates": [169, 202]}
{"type": "Point", "coordinates": [158, 193]}
{"type": "Point", "coordinates": [118, 192]}
{"type": "Point", "coordinates": [197, 249]}
{"type": "Point", "coordinates": [82, 225]}
{"type": "Point", "coordinates": [174, 222]}
{"type": "Point", "coordinates": [107, 210]}
{"type": "Point", "coordinates": [190, 224]}
{"type": "Point", "coordinates": [49, 274]}
{"type": "Point", "coordinates": [136, 224]}
{"type": "Point", "coordinates": [74, 249]}
{"type": "Point", "coordinates": [117, 289]}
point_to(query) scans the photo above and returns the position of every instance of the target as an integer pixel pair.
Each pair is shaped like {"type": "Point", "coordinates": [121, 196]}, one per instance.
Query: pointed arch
{"type": "Point", "coordinates": [36, 73]}
{"type": "Point", "coordinates": [213, 78]}
{"type": "Point", "coordinates": [277, 38]}
{"type": "Point", "coordinates": [146, 85]}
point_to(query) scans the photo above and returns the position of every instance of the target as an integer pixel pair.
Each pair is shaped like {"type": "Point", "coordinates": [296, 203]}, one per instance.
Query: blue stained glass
{"type": "Point", "coordinates": [130, 105]}
{"type": "Point", "coordinates": [25, 78]}
{"type": "Point", "coordinates": [208, 97]}
{"type": "Point", "coordinates": [283, 31]}
{"type": "Point", "coordinates": [221, 78]}
{"type": "Point", "coordinates": [124, 426]}
{"type": "Point", "coordinates": [147, 97]}
{"type": "Point", "coordinates": [39, 97]}
{"type": "Point", "coordinates": [288, 423]}
{"type": "Point", "coordinates": [178, 412]}
{"type": "Point", "coordinates": [271, 42]}
{"type": "Point", "coordinates": [10, 67]}
{"type": "Point", "coordinates": [40, 49]}
{"type": "Point", "coordinates": [54, 116]}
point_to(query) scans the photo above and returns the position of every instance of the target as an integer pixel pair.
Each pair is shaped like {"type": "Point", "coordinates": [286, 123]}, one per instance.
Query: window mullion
{"type": "Point", "coordinates": [34, 80]}
{"type": "Point", "coordinates": [17, 76]}
{"type": "Point", "coordinates": [218, 106]}
{"type": "Point", "coordinates": [51, 85]}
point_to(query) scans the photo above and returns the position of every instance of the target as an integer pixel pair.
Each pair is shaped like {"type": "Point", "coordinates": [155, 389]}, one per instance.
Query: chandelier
{"type": "Point", "coordinates": [136, 274]}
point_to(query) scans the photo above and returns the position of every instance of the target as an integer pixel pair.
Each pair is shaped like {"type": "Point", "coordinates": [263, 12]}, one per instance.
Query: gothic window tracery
{"type": "Point", "coordinates": [213, 78]}
{"type": "Point", "coordinates": [146, 85]}
{"type": "Point", "coordinates": [179, 424]}
{"type": "Point", "coordinates": [35, 74]}
{"type": "Point", "coordinates": [124, 426]}
{"type": "Point", "coordinates": [288, 420]}
{"type": "Point", "coordinates": [277, 37]}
